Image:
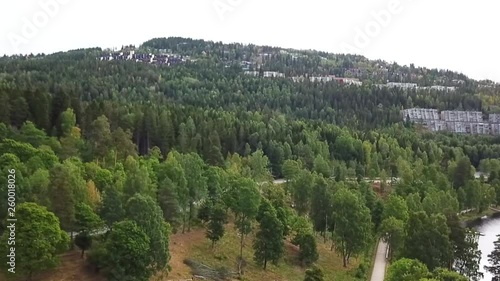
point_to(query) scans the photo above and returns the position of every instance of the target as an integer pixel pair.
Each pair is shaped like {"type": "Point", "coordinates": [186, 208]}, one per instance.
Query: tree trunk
{"type": "Point", "coordinates": [345, 260]}
{"type": "Point", "coordinates": [183, 223]}
{"type": "Point", "coordinates": [190, 216]}
{"type": "Point", "coordinates": [326, 229]}
{"type": "Point", "coordinates": [333, 243]}
{"type": "Point", "coordinates": [83, 252]}
{"type": "Point", "coordinates": [241, 254]}
{"type": "Point", "coordinates": [72, 241]}
{"type": "Point", "coordinates": [265, 263]}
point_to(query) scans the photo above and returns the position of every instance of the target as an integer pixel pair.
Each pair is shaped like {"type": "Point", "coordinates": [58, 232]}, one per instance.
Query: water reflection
{"type": "Point", "coordinates": [489, 229]}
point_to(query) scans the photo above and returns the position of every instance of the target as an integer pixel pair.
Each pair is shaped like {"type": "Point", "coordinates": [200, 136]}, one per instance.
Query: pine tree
{"type": "Point", "coordinates": [111, 210]}
{"type": "Point", "coordinates": [494, 260]}
{"type": "Point", "coordinates": [314, 274]}
{"type": "Point", "coordinates": [268, 243]}
{"type": "Point", "coordinates": [308, 250]}
{"type": "Point", "coordinates": [215, 227]}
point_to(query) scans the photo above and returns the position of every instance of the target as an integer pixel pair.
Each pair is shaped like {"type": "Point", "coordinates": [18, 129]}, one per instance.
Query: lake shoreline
{"type": "Point", "coordinates": [488, 228]}
{"type": "Point", "coordinates": [479, 218]}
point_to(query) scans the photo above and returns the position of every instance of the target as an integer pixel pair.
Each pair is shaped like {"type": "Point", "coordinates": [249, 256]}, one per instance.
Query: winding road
{"type": "Point", "coordinates": [380, 263]}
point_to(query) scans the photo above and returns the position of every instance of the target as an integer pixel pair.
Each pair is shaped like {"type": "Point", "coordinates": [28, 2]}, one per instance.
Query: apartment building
{"type": "Point", "coordinates": [420, 114]}
{"type": "Point", "coordinates": [435, 125]}
{"type": "Point", "coordinates": [324, 79]}
{"type": "Point", "coordinates": [462, 116]}
{"type": "Point", "coordinates": [273, 74]}
{"type": "Point", "coordinates": [479, 128]}
{"type": "Point", "coordinates": [252, 73]}
{"type": "Point", "coordinates": [494, 118]}
{"type": "Point", "coordinates": [463, 122]}
{"type": "Point", "coordinates": [405, 86]}
{"type": "Point", "coordinates": [457, 127]}
{"type": "Point", "coordinates": [441, 88]}
{"type": "Point", "coordinates": [265, 74]}
{"type": "Point", "coordinates": [495, 129]}
{"type": "Point", "coordinates": [349, 81]}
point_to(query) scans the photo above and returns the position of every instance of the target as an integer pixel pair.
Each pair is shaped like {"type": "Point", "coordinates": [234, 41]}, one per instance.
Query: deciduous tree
{"type": "Point", "coordinates": [38, 240]}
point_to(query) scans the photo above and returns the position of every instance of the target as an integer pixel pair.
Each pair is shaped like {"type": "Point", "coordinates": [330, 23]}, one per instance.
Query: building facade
{"type": "Point", "coordinates": [462, 122]}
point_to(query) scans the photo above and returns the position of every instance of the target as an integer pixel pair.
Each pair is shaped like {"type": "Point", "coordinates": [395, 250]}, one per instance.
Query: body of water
{"type": "Point", "coordinates": [489, 229]}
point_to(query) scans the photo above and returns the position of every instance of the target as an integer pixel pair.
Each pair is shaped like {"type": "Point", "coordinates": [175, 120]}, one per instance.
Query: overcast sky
{"type": "Point", "coordinates": [456, 35]}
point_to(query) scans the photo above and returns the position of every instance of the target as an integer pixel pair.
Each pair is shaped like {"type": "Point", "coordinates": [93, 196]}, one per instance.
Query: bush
{"type": "Point", "coordinates": [362, 271]}
{"type": "Point", "coordinates": [96, 257]}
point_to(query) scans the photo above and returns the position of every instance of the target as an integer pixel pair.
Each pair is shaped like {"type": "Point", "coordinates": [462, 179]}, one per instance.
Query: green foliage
{"type": "Point", "coordinates": [85, 218]}
{"type": "Point", "coordinates": [145, 212]}
{"type": "Point", "coordinates": [308, 249]}
{"type": "Point", "coordinates": [393, 232]}
{"type": "Point", "coordinates": [245, 206]}
{"type": "Point", "coordinates": [33, 254]}
{"type": "Point", "coordinates": [428, 240]}
{"type": "Point", "coordinates": [494, 260]}
{"type": "Point", "coordinates": [216, 221]}
{"type": "Point", "coordinates": [111, 209]}
{"type": "Point", "coordinates": [321, 205]}
{"type": "Point", "coordinates": [352, 224]}
{"type": "Point", "coordinates": [268, 244]}
{"type": "Point", "coordinates": [407, 270]}
{"type": "Point", "coordinates": [301, 188]}
{"type": "Point", "coordinates": [314, 274]}
{"type": "Point", "coordinates": [397, 208]}
{"type": "Point", "coordinates": [128, 253]}
{"type": "Point", "coordinates": [72, 126]}
{"type": "Point", "coordinates": [83, 240]}
{"type": "Point", "coordinates": [193, 166]}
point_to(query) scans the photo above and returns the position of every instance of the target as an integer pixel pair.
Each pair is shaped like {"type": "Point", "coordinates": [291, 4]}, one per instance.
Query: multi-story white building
{"type": "Point", "coordinates": [420, 114]}
{"type": "Point", "coordinates": [494, 118]}
{"type": "Point", "coordinates": [325, 79]}
{"type": "Point", "coordinates": [252, 73]}
{"type": "Point", "coordinates": [266, 74]}
{"type": "Point", "coordinates": [435, 125]}
{"type": "Point", "coordinates": [456, 127]}
{"type": "Point", "coordinates": [495, 129]}
{"type": "Point", "coordinates": [466, 122]}
{"type": "Point", "coordinates": [273, 74]}
{"type": "Point", "coordinates": [298, 79]}
{"type": "Point", "coordinates": [440, 88]}
{"type": "Point", "coordinates": [349, 81]}
{"type": "Point", "coordinates": [462, 116]}
{"type": "Point", "coordinates": [405, 86]}
{"type": "Point", "coordinates": [479, 128]}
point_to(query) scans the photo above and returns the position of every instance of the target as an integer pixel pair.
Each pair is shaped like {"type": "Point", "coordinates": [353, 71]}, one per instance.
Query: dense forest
{"type": "Point", "coordinates": [138, 152]}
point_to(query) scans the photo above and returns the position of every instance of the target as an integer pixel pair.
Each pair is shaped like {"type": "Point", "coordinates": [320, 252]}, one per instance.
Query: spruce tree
{"type": "Point", "coordinates": [268, 243]}
{"type": "Point", "coordinates": [215, 227]}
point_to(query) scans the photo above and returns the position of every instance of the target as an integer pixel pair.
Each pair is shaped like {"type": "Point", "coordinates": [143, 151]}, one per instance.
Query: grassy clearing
{"type": "Point", "coordinates": [227, 250]}
{"type": "Point", "coordinates": [195, 246]}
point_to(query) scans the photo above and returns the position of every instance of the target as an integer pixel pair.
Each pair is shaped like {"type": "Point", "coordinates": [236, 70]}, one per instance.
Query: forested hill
{"type": "Point", "coordinates": [141, 139]}
{"type": "Point", "coordinates": [210, 93]}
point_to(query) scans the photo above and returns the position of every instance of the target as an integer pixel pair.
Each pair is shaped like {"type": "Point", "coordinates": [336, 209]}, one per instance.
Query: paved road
{"type": "Point", "coordinates": [380, 263]}
{"type": "Point", "coordinates": [92, 233]}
